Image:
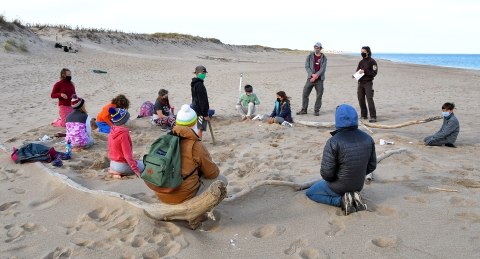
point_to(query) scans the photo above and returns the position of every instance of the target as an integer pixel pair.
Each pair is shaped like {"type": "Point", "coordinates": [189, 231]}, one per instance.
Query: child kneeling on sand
{"type": "Point", "coordinates": [246, 103]}
{"type": "Point", "coordinates": [120, 150]}
{"type": "Point", "coordinates": [78, 125]}
{"type": "Point", "coordinates": [195, 159]}
{"type": "Point", "coordinates": [104, 122]}
{"type": "Point", "coordinates": [282, 112]}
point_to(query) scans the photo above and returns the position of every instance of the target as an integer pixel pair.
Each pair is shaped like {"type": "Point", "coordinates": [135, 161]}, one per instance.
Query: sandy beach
{"type": "Point", "coordinates": [407, 217]}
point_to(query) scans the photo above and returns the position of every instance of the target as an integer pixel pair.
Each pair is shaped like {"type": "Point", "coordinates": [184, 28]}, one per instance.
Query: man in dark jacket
{"type": "Point", "coordinates": [447, 135]}
{"type": "Point", "coordinates": [348, 156]}
{"type": "Point", "coordinates": [200, 99]}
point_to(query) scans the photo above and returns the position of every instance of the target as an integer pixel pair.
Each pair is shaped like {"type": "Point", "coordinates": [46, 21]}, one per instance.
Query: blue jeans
{"type": "Point", "coordinates": [89, 143]}
{"type": "Point", "coordinates": [320, 192]}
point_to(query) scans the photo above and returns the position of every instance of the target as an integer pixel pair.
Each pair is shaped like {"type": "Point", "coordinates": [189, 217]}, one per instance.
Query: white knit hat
{"type": "Point", "coordinates": [187, 117]}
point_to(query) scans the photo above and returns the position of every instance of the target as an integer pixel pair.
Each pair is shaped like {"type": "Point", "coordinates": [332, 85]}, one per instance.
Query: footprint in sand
{"type": "Point", "coordinates": [150, 198]}
{"type": "Point", "coordinates": [12, 175]}
{"type": "Point", "coordinates": [297, 244]}
{"type": "Point", "coordinates": [93, 220]}
{"type": "Point", "coordinates": [16, 232]}
{"type": "Point", "coordinates": [60, 252]}
{"type": "Point", "coordinates": [384, 242]}
{"type": "Point", "coordinates": [460, 201]}
{"type": "Point", "coordinates": [336, 227]}
{"type": "Point", "coordinates": [18, 190]}
{"type": "Point", "coordinates": [416, 199]}
{"type": "Point", "coordinates": [469, 216]}
{"type": "Point", "coordinates": [268, 231]}
{"type": "Point", "coordinates": [312, 253]}
{"type": "Point", "coordinates": [384, 211]}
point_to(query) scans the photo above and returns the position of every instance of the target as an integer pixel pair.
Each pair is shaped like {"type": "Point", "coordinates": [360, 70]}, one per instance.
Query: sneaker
{"type": "Point", "coordinates": [450, 145]}
{"type": "Point", "coordinates": [373, 120]}
{"type": "Point", "coordinates": [301, 112]}
{"type": "Point", "coordinates": [346, 203]}
{"type": "Point", "coordinates": [317, 113]}
{"type": "Point", "coordinates": [358, 202]}
{"type": "Point", "coordinates": [166, 128]}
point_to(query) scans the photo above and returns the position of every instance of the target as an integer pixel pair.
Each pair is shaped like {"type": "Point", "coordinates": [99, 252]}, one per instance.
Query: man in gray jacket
{"type": "Point", "coordinates": [315, 65]}
{"type": "Point", "coordinates": [348, 156]}
{"type": "Point", "coordinates": [448, 133]}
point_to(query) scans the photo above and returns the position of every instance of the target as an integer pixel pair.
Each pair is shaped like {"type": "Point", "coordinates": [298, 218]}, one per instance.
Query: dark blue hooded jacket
{"type": "Point", "coordinates": [348, 155]}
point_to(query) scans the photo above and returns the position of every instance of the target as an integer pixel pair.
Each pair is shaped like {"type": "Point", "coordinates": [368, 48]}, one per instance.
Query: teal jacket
{"type": "Point", "coordinates": [245, 99]}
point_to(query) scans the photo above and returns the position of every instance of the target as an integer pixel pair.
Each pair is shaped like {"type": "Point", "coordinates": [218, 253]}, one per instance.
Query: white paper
{"type": "Point", "coordinates": [358, 75]}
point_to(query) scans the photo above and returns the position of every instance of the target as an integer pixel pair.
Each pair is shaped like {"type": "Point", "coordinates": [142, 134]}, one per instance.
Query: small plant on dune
{"type": "Point", "coordinates": [7, 47]}
{"type": "Point", "coordinates": [12, 42]}
{"type": "Point", "coordinates": [23, 47]}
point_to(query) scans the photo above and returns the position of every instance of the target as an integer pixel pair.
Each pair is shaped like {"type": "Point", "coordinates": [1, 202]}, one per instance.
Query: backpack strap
{"type": "Point", "coordinates": [190, 174]}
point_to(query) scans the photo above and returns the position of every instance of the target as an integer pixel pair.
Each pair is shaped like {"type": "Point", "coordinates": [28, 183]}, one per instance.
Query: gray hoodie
{"type": "Point", "coordinates": [310, 66]}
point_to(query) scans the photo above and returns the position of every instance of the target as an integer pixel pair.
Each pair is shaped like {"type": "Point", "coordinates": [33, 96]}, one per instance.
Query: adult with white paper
{"type": "Point", "coordinates": [366, 71]}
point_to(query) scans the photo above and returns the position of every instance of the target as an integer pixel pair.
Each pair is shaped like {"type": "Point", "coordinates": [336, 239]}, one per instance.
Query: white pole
{"type": "Point", "coordinates": [240, 86]}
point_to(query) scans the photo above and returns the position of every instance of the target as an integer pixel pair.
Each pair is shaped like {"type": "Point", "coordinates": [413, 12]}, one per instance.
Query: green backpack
{"type": "Point", "coordinates": [163, 163]}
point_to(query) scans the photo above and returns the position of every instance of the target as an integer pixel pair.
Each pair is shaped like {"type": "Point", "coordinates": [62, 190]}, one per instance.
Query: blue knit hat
{"type": "Point", "coordinates": [119, 116]}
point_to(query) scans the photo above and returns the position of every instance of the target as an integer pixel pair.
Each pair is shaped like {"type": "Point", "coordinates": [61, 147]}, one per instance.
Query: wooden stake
{"type": "Point", "coordinates": [211, 131]}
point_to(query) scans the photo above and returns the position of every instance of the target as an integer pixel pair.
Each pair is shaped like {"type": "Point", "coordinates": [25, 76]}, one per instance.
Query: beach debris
{"type": "Point", "coordinates": [259, 117]}
{"type": "Point", "coordinates": [384, 142]}
{"type": "Point", "coordinates": [45, 138]}
{"type": "Point", "coordinates": [99, 71]}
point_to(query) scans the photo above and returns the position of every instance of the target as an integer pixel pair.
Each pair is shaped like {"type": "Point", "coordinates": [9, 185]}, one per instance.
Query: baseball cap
{"type": "Point", "coordinates": [318, 44]}
{"type": "Point", "coordinates": [200, 69]}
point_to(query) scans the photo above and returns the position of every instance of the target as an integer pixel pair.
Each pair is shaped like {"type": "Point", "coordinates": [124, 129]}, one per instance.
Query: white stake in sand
{"type": "Point", "coordinates": [240, 86]}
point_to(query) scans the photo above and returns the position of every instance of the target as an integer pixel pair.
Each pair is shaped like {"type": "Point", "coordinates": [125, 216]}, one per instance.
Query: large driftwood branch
{"type": "Point", "coordinates": [401, 125]}
{"type": "Point", "coordinates": [371, 125]}
{"type": "Point", "coordinates": [191, 210]}
{"type": "Point", "coordinates": [299, 186]}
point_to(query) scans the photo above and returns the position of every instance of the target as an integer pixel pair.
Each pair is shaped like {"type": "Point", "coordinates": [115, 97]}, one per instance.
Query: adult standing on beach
{"type": "Point", "coordinates": [200, 99]}
{"type": "Point", "coordinates": [315, 65]}
{"type": "Point", "coordinates": [368, 67]}
{"type": "Point", "coordinates": [63, 90]}
{"type": "Point", "coordinates": [348, 156]}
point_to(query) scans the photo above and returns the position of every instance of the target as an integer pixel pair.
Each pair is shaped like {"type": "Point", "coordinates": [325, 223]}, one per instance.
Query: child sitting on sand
{"type": "Point", "coordinates": [447, 135]}
{"type": "Point", "coordinates": [163, 115]}
{"type": "Point", "coordinates": [78, 125]}
{"type": "Point", "coordinates": [246, 103]}
{"type": "Point", "coordinates": [104, 122]}
{"type": "Point", "coordinates": [282, 111]}
{"type": "Point", "coordinates": [120, 150]}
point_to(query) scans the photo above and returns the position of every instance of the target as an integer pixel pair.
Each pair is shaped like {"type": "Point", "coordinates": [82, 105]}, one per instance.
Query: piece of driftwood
{"type": "Point", "coordinates": [445, 190]}
{"type": "Point", "coordinates": [363, 125]}
{"type": "Point", "coordinates": [298, 186]}
{"type": "Point", "coordinates": [191, 210]}
{"type": "Point", "coordinates": [401, 125]}
{"type": "Point", "coordinates": [369, 177]}
{"type": "Point", "coordinates": [366, 124]}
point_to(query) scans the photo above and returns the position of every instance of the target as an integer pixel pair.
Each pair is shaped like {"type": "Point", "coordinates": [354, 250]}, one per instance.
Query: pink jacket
{"type": "Point", "coordinates": [120, 147]}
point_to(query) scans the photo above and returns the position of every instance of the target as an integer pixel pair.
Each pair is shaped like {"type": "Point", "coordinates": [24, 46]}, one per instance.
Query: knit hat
{"type": "Point", "coordinates": [77, 102]}
{"type": "Point", "coordinates": [119, 116]}
{"type": "Point", "coordinates": [248, 88]}
{"type": "Point", "coordinates": [186, 117]}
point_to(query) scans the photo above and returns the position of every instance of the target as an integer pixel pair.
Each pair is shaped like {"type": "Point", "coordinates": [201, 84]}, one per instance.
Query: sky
{"type": "Point", "coordinates": [409, 26]}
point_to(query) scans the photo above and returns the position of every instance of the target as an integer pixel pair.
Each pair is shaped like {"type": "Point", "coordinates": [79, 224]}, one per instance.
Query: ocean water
{"type": "Point", "coordinates": [467, 61]}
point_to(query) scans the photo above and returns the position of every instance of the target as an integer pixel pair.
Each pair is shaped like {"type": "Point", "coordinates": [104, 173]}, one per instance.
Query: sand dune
{"type": "Point", "coordinates": [407, 218]}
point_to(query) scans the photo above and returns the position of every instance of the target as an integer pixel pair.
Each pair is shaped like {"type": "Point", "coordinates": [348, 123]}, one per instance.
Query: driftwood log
{"type": "Point", "coordinates": [371, 125]}
{"type": "Point", "coordinates": [300, 186]}
{"type": "Point", "coordinates": [191, 210]}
